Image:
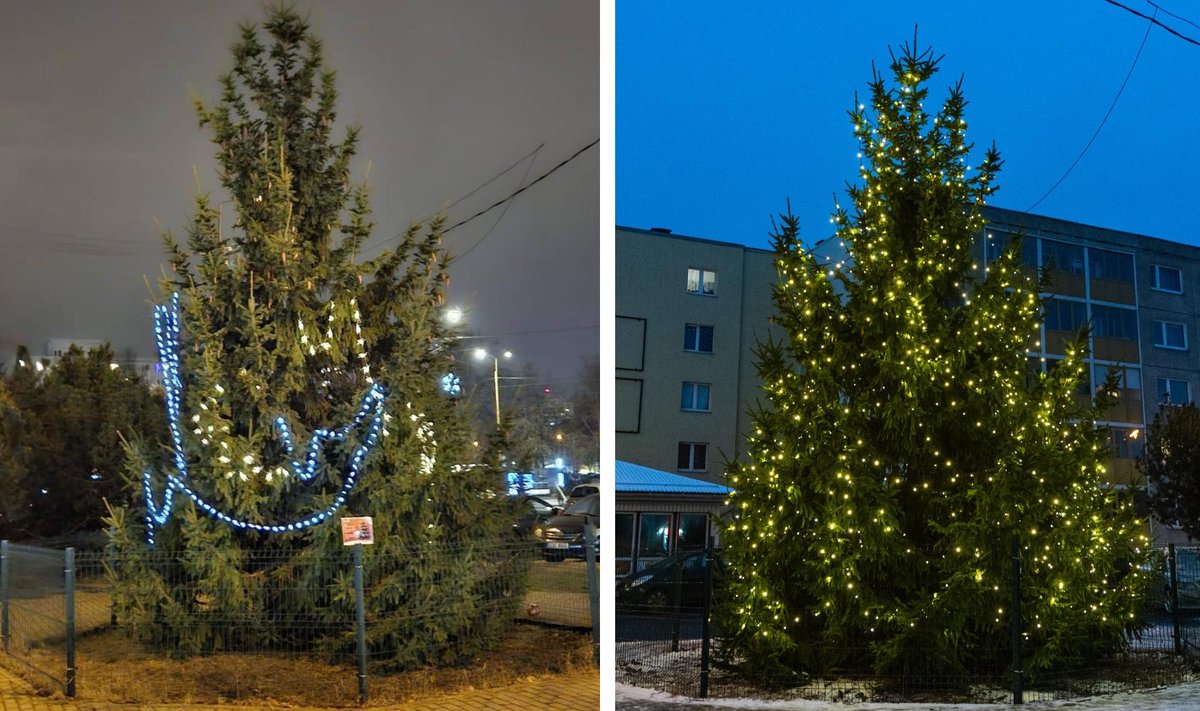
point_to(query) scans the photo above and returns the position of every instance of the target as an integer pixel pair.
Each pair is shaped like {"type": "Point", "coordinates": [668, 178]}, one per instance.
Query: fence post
{"type": "Point", "coordinates": [4, 594]}
{"type": "Point", "coordinates": [1017, 680]}
{"type": "Point", "coordinates": [705, 647]}
{"type": "Point", "coordinates": [1175, 598]}
{"type": "Point", "coordinates": [112, 604]}
{"type": "Point", "coordinates": [361, 625]}
{"type": "Point", "coordinates": [676, 601]}
{"type": "Point", "coordinates": [593, 582]}
{"type": "Point", "coordinates": [69, 572]}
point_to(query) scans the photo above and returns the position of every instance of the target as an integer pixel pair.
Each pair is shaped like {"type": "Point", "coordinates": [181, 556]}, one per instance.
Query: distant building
{"type": "Point", "coordinates": [690, 310]}
{"type": "Point", "coordinates": [145, 368]}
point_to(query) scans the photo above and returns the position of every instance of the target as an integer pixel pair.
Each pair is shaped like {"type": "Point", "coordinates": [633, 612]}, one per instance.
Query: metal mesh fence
{"type": "Point", "coordinates": [33, 608]}
{"type": "Point", "coordinates": [660, 641]}
{"type": "Point", "coordinates": [422, 606]}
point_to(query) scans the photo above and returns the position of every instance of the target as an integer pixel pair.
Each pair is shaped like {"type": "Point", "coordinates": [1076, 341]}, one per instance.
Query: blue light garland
{"type": "Point", "coordinates": [166, 336]}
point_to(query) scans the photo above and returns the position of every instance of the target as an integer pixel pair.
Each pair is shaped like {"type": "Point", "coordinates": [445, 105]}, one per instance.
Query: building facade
{"type": "Point", "coordinates": [683, 379]}
{"type": "Point", "coordinates": [689, 312]}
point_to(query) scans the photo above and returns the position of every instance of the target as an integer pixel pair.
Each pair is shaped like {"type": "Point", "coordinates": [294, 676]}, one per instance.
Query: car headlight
{"type": "Point", "coordinates": [640, 580]}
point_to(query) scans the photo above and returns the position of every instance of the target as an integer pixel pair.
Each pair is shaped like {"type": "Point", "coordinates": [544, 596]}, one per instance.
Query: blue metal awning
{"type": "Point", "coordinates": [634, 478]}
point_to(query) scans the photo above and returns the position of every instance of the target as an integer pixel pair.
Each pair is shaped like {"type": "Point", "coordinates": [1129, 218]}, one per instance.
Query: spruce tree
{"type": "Point", "coordinates": [1171, 465]}
{"type": "Point", "coordinates": [904, 440]}
{"type": "Point", "coordinates": [280, 318]}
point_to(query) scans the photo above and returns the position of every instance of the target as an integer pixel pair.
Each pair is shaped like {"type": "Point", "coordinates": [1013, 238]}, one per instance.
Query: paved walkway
{"type": "Point", "coordinates": [577, 690]}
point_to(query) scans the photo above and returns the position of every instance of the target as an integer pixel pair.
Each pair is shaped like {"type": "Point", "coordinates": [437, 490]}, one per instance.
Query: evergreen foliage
{"type": "Point", "coordinates": [281, 318]}
{"type": "Point", "coordinates": [906, 440]}
{"type": "Point", "coordinates": [61, 434]}
{"type": "Point", "coordinates": [1171, 465]}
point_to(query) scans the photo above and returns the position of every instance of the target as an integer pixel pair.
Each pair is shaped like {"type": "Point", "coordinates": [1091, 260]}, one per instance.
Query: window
{"type": "Point", "coordinates": [1127, 378]}
{"type": "Point", "coordinates": [624, 550]}
{"type": "Point", "coordinates": [1064, 315]}
{"type": "Point", "coordinates": [694, 397]}
{"type": "Point", "coordinates": [1170, 335]}
{"type": "Point", "coordinates": [1168, 279]}
{"type": "Point", "coordinates": [1062, 256]}
{"type": "Point", "coordinates": [693, 456]}
{"type": "Point", "coordinates": [654, 535]}
{"type": "Point", "coordinates": [1108, 322]}
{"type": "Point", "coordinates": [1127, 443]}
{"type": "Point", "coordinates": [697, 339]}
{"type": "Point", "coordinates": [693, 532]}
{"type": "Point", "coordinates": [998, 242]}
{"type": "Point", "coordinates": [1173, 392]}
{"type": "Point", "coordinates": [1113, 266]}
{"type": "Point", "coordinates": [702, 281]}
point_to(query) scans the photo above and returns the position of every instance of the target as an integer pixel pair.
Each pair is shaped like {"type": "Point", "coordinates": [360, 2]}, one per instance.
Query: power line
{"type": "Point", "coordinates": [1177, 17]}
{"type": "Point", "coordinates": [520, 190]}
{"type": "Point", "coordinates": [1155, 21]}
{"type": "Point", "coordinates": [1112, 106]}
{"type": "Point", "coordinates": [503, 212]}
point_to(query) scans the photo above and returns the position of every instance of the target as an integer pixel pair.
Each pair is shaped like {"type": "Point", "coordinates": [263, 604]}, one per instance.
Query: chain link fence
{"type": "Point", "coordinates": [665, 640]}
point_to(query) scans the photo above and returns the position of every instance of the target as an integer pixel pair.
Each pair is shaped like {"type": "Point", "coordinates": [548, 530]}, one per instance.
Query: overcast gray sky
{"type": "Point", "coordinates": [98, 140]}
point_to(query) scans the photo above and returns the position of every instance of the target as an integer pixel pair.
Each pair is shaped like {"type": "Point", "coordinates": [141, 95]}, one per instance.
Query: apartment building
{"type": "Point", "coordinates": [690, 310]}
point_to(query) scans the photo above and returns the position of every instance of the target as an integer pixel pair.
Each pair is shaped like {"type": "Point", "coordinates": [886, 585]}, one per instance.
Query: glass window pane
{"type": "Point", "coordinates": [693, 282]}
{"type": "Point", "coordinates": [685, 456]}
{"type": "Point", "coordinates": [624, 524]}
{"type": "Point", "coordinates": [692, 531]}
{"type": "Point", "coordinates": [699, 456]}
{"type": "Point", "coordinates": [689, 337]}
{"type": "Point", "coordinates": [702, 397]}
{"type": "Point", "coordinates": [710, 282]}
{"type": "Point", "coordinates": [654, 535]}
{"type": "Point", "coordinates": [687, 396]}
{"type": "Point", "coordinates": [706, 339]}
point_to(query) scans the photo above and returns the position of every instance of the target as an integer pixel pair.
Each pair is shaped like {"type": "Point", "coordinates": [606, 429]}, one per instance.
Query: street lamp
{"type": "Point", "coordinates": [453, 315]}
{"type": "Point", "coordinates": [482, 354]}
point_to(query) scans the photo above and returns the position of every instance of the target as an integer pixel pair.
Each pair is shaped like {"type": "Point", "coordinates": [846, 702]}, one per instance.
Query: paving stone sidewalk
{"type": "Point", "coordinates": [577, 690]}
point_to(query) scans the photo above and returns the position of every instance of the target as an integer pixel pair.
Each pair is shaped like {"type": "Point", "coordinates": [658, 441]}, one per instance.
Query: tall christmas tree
{"type": "Point", "coordinates": [905, 439]}
{"type": "Point", "coordinates": [303, 385]}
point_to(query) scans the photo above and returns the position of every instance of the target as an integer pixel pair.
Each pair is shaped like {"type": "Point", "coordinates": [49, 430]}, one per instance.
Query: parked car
{"type": "Point", "coordinates": [562, 535]}
{"type": "Point", "coordinates": [655, 587]}
{"type": "Point", "coordinates": [535, 511]}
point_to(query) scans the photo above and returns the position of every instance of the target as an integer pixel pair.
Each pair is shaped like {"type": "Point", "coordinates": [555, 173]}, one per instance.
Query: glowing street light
{"type": "Point", "coordinates": [482, 354]}
{"type": "Point", "coordinates": [454, 315]}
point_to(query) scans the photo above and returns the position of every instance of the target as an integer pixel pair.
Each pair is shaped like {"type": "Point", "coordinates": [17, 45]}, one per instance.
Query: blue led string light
{"type": "Point", "coordinates": [166, 335]}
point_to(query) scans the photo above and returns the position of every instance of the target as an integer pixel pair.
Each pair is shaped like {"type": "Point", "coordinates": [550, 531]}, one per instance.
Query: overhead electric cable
{"type": "Point", "coordinates": [1112, 106]}
{"type": "Point", "coordinates": [1154, 21]}
{"type": "Point", "coordinates": [520, 190]}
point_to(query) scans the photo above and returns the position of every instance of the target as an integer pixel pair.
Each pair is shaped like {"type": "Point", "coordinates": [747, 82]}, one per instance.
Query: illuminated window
{"type": "Point", "coordinates": [693, 457]}
{"type": "Point", "coordinates": [702, 282]}
{"type": "Point", "coordinates": [1127, 443]}
{"type": "Point", "coordinates": [697, 339]}
{"type": "Point", "coordinates": [1170, 335]}
{"type": "Point", "coordinates": [694, 397]}
{"type": "Point", "coordinates": [1168, 279]}
{"type": "Point", "coordinates": [1173, 392]}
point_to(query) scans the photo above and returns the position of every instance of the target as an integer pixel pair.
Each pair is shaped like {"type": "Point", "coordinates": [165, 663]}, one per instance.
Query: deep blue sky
{"type": "Point", "coordinates": [722, 114]}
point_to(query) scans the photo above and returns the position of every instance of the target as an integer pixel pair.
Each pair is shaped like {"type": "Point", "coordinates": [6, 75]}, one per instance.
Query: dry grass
{"type": "Point", "coordinates": [114, 669]}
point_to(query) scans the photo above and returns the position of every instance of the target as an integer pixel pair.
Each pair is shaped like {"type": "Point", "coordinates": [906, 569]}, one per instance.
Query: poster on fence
{"type": "Point", "coordinates": [357, 531]}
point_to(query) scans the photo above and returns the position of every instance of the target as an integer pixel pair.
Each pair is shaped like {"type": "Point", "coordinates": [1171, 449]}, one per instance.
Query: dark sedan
{"type": "Point", "coordinates": [677, 581]}
{"type": "Point", "coordinates": [562, 535]}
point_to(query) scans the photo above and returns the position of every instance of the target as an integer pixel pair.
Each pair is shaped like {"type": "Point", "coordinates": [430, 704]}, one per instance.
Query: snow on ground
{"type": "Point", "coordinates": [1181, 697]}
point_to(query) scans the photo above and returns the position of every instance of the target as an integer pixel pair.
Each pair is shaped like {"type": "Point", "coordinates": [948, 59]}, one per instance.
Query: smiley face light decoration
{"type": "Point", "coordinates": [370, 410]}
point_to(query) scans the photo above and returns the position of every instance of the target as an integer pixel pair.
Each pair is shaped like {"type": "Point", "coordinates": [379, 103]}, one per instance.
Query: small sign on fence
{"type": "Point", "coordinates": [358, 531]}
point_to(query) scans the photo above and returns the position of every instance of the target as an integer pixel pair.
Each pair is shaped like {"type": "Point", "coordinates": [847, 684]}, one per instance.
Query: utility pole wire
{"type": "Point", "coordinates": [1177, 17]}
{"type": "Point", "coordinates": [1155, 21]}
{"type": "Point", "coordinates": [1112, 106]}
{"type": "Point", "coordinates": [520, 190]}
